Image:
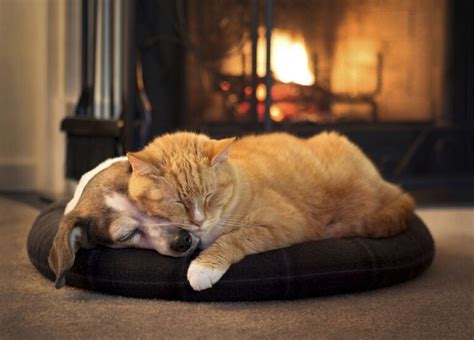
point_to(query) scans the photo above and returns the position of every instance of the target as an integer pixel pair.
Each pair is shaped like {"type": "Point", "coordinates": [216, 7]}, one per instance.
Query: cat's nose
{"type": "Point", "coordinates": [198, 221]}
{"type": "Point", "coordinates": [197, 216]}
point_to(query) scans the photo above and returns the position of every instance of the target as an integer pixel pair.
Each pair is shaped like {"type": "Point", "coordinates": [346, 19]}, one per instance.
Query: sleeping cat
{"type": "Point", "coordinates": [260, 193]}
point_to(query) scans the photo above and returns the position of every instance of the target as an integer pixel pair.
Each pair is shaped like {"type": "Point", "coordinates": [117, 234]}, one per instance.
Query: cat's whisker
{"type": "Point", "coordinates": [224, 222]}
{"type": "Point", "coordinates": [238, 223]}
{"type": "Point", "coordinates": [234, 220]}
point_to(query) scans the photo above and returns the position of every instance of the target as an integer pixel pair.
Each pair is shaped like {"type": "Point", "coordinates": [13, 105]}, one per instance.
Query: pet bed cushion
{"type": "Point", "coordinates": [310, 269]}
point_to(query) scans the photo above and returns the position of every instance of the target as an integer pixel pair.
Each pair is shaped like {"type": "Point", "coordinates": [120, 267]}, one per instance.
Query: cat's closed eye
{"type": "Point", "coordinates": [180, 204]}
{"type": "Point", "coordinates": [208, 198]}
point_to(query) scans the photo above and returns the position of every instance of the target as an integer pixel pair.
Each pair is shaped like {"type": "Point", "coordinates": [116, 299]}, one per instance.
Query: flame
{"type": "Point", "coordinates": [289, 61]}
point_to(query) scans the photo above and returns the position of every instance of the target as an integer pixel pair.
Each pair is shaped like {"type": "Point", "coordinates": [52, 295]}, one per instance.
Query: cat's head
{"type": "Point", "coordinates": [184, 177]}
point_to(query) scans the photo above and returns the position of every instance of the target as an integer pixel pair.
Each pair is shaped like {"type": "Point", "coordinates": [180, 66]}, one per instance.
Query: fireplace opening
{"type": "Point", "coordinates": [331, 61]}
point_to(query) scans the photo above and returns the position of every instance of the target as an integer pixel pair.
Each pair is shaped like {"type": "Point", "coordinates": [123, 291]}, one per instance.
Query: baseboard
{"type": "Point", "coordinates": [17, 175]}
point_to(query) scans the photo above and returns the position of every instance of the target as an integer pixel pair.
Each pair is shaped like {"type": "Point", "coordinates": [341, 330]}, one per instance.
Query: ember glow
{"type": "Point", "coordinates": [276, 114]}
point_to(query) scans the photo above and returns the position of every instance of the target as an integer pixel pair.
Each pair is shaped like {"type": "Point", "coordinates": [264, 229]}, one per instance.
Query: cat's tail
{"type": "Point", "coordinates": [392, 217]}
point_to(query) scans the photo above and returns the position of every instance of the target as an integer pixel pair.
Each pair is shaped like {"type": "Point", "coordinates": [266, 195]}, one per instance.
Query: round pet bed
{"type": "Point", "coordinates": [310, 269]}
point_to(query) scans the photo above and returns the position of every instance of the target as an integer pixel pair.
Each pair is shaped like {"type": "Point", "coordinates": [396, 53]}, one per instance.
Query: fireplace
{"type": "Point", "coordinates": [331, 61]}
{"type": "Point", "coordinates": [394, 76]}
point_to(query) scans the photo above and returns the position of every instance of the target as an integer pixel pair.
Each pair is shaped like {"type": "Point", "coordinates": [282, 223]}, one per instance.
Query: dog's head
{"type": "Point", "coordinates": [101, 213]}
{"type": "Point", "coordinates": [121, 225]}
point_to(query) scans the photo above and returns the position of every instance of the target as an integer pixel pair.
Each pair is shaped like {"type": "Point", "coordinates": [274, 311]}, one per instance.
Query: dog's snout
{"type": "Point", "coordinates": [182, 242]}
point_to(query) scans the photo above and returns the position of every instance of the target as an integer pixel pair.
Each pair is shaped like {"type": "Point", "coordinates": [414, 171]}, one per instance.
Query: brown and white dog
{"type": "Point", "coordinates": [101, 213]}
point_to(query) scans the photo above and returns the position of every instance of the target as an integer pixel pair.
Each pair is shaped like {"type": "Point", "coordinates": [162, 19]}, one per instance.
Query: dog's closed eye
{"type": "Point", "coordinates": [130, 236]}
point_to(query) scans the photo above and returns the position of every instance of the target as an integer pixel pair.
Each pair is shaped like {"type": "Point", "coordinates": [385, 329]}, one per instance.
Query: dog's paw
{"type": "Point", "coordinates": [202, 277]}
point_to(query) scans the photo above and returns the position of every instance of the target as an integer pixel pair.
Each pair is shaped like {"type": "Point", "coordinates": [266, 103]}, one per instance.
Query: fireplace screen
{"type": "Point", "coordinates": [329, 61]}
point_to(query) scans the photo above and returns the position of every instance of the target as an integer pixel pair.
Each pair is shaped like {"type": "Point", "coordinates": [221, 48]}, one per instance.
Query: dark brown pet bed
{"type": "Point", "coordinates": [310, 269]}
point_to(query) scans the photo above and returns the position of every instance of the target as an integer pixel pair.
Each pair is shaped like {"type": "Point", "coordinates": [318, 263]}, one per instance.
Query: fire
{"type": "Point", "coordinates": [290, 59]}
{"type": "Point", "coordinates": [290, 62]}
{"type": "Point", "coordinates": [290, 65]}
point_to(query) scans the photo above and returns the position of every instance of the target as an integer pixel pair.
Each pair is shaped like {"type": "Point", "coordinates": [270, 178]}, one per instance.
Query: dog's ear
{"type": "Point", "coordinates": [71, 235]}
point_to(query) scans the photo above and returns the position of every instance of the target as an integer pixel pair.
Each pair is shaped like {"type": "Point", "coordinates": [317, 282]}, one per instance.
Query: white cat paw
{"type": "Point", "coordinates": [201, 277]}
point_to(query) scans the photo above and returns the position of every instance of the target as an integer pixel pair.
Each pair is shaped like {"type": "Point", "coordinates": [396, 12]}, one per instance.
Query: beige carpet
{"type": "Point", "coordinates": [437, 305]}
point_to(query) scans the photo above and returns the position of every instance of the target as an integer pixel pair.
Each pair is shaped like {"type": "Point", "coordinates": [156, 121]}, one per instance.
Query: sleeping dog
{"type": "Point", "coordinates": [101, 213]}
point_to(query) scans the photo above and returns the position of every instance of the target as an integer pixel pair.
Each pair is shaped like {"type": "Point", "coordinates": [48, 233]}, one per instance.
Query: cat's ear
{"type": "Point", "coordinates": [219, 149]}
{"type": "Point", "coordinates": [141, 167]}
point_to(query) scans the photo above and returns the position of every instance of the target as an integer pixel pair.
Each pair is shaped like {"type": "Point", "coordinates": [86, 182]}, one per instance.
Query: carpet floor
{"type": "Point", "coordinates": [437, 305]}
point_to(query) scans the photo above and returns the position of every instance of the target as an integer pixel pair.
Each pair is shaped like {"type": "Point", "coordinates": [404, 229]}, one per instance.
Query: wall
{"type": "Point", "coordinates": [22, 102]}
{"type": "Point", "coordinates": [33, 94]}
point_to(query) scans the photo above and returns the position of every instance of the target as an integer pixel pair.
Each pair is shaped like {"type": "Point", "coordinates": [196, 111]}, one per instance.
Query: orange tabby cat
{"type": "Point", "coordinates": [260, 193]}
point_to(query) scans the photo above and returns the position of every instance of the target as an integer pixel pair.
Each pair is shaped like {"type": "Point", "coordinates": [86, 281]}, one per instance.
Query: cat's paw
{"type": "Point", "coordinates": [202, 277]}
